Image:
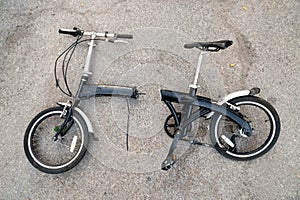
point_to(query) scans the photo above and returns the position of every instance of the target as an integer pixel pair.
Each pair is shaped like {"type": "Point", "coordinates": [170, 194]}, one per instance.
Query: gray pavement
{"type": "Point", "coordinates": [265, 54]}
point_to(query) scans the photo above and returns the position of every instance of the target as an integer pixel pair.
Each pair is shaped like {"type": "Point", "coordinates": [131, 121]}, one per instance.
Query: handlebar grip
{"type": "Point", "coordinates": [190, 45]}
{"type": "Point", "coordinates": [124, 36]}
{"type": "Point", "coordinates": [75, 32]}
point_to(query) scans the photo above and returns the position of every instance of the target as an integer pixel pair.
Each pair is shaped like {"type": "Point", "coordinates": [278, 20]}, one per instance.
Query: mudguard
{"type": "Point", "coordinates": [83, 115]}
{"type": "Point", "coordinates": [236, 94]}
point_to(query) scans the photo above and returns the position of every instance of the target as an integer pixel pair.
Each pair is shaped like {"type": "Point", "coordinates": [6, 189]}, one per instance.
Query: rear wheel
{"type": "Point", "coordinates": [57, 156]}
{"type": "Point", "coordinates": [230, 140]}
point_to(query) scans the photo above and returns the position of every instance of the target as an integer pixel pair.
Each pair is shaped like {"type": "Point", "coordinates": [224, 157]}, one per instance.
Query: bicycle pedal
{"type": "Point", "coordinates": [166, 166]}
{"type": "Point", "coordinates": [168, 163]}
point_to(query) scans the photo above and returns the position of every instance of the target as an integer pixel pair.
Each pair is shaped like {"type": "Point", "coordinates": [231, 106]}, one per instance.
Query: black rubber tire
{"type": "Point", "coordinates": [38, 127]}
{"type": "Point", "coordinates": [270, 139]}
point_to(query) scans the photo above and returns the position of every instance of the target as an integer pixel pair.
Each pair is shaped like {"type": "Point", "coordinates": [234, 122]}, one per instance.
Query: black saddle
{"type": "Point", "coordinates": [209, 46]}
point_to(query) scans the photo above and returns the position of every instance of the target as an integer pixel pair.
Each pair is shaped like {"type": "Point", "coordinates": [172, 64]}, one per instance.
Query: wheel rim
{"type": "Point", "coordinates": [47, 153]}
{"type": "Point", "coordinates": [260, 140]}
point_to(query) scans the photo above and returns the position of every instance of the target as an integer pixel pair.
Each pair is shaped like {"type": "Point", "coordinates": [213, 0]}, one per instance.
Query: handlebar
{"type": "Point", "coordinates": [124, 36]}
{"type": "Point", "coordinates": [76, 32]}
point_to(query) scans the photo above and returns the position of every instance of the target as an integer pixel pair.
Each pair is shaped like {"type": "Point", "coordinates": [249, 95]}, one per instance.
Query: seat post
{"type": "Point", "coordinates": [194, 85]}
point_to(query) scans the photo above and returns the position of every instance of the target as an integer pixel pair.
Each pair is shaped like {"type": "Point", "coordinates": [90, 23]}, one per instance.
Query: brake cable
{"type": "Point", "coordinates": [66, 51]}
{"type": "Point", "coordinates": [66, 60]}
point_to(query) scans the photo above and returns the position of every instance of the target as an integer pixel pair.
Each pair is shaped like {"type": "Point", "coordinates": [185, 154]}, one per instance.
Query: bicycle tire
{"type": "Point", "coordinates": [47, 155]}
{"type": "Point", "coordinates": [246, 148]}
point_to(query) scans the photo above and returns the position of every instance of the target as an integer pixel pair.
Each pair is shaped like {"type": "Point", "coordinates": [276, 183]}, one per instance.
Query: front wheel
{"type": "Point", "coordinates": [51, 156]}
{"type": "Point", "coordinates": [229, 138]}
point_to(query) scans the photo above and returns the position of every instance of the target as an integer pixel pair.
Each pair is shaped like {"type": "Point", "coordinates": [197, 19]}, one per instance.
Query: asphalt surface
{"type": "Point", "coordinates": [265, 54]}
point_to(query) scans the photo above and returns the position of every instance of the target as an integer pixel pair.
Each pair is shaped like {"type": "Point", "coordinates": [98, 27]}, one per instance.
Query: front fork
{"type": "Point", "coordinates": [68, 122]}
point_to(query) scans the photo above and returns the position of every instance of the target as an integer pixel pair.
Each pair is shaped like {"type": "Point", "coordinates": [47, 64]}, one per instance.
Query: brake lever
{"type": "Point", "coordinates": [121, 41]}
{"type": "Point", "coordinates": [114, 40]}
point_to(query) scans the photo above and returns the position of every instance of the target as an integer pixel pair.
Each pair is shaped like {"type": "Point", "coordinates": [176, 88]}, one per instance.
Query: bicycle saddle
{"type": "Point", "coordinates": [210, 46]}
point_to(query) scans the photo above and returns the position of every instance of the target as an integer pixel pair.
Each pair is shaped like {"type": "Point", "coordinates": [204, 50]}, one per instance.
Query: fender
{"type": "Point", "coordinates": [234, 95]}
{"type": "Point", "coordinates": [241, 93]}
{"type": "Point", "coordinates": [83, 115]}
{"type": "Point", "coordinates": [252, 92]}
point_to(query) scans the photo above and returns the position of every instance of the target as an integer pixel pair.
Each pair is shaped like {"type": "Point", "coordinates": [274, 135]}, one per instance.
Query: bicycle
{"type": "Point", "coordinates": [235, 130]}
{"type": "Point", "coordinates": [56, 139]}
